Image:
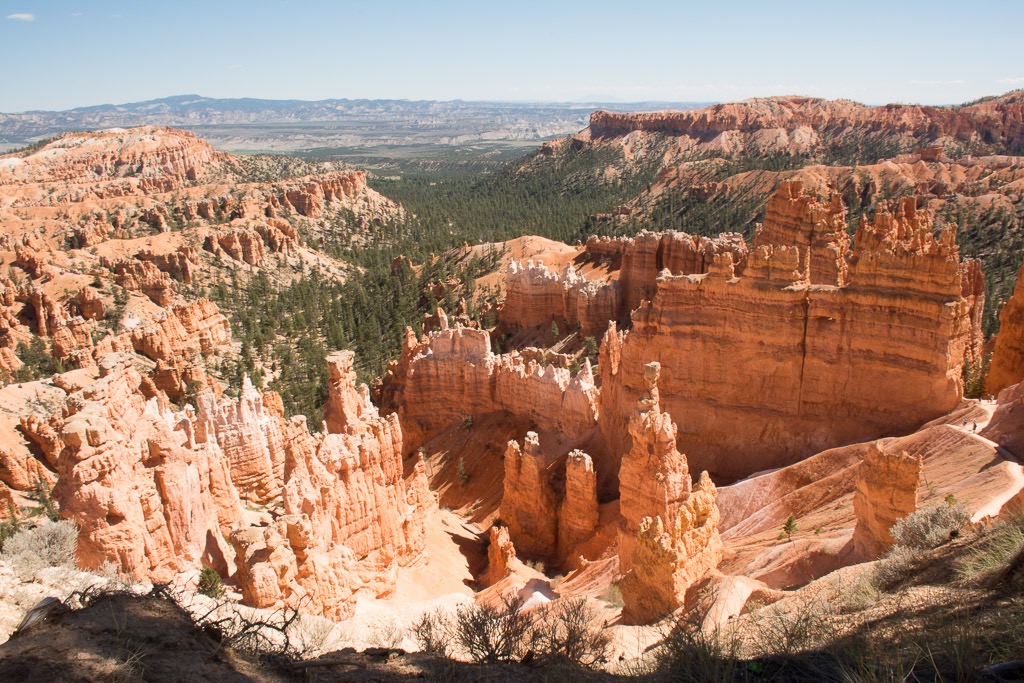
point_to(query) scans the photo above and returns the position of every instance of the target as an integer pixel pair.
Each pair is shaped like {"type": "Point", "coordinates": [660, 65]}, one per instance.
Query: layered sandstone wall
{"type": "Point", "coordinates": [528, 506]}
{"type": "Point", "coordinates": [994, 121]}
{"type": "Point", "coordinates": [130, 477]}
{"type": "Point", "coordinates": [1007, 366]}
{"type": "Point", "coordinates": [250, 437]}
{"type": "Point", "coordinates": [169, 157]}
{"type": "Point", "coordinates": [453, 375]}
{"type": "Point", "coordinates": [817, 228]}
{"type": "Point", "coordinates": [887, 487]}
{"type": "Point", "coordinates": [154, 490]}
{"type": "Point", "coordinates": [536, 294]}
{"type": "Point", "coordinates": [761, 370]}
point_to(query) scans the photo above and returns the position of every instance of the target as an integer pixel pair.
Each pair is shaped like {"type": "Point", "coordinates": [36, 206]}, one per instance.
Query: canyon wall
{"type": "Point", "coordinates": [157, 492]}
{"type": "Point", "coordinates": [452, 375]}
{"type": "Point", "coordinates": [761, 370]}
{"type": "Point", "coordinates": [1007, 366]}
{"type": "Point", "coordinates": [997, 120]}
{"type": "Point", "coordinates": [536, 294]}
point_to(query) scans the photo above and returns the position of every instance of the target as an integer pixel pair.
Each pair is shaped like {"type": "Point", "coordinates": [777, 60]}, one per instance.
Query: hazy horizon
{"type": "Point", "coordinates": [72, 53]}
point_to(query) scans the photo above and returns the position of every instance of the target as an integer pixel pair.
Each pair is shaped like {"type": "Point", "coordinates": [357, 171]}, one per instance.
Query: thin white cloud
{"type": "Point", "coordinates": [77, 14]}
{"type": "Point", "coordinates": [21, 16]}
{"type": "Point", "coordinates": [1010, 81]}
{"type": "Point", "coordinates": [234, 66]}
{"type": "Point", "coordinates": [115, 16]}
{"type": "Point", "coordinates": [952, 82]}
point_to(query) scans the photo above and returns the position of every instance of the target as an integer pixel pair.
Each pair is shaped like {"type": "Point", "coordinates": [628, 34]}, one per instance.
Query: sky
{"type": "Point", "coordinates": [57, 54]}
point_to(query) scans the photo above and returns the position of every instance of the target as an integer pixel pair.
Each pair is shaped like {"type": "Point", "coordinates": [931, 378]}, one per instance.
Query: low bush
{"type": "Point", "coordinates": [896, 567]}
{"type": "Point", "coordinates": [494, 634]}
{"type": "Point", "coordinates": [570, 631]}
{"type": "Point", "coordinates": [998, 558]}
{"type": "Point", "coordinates": [689, 654]}
{"type": "Point", "coordinates": [932, 526]}
{"type": "Point", "coordinates": [51, 544]}
{"type": "Point", "coordinates": [434, 633]}
{"type": "Point", "coordinates": [567, 632]}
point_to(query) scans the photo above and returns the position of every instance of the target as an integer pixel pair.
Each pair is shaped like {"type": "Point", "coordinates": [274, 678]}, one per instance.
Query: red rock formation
{"type": "Point", "coordinates": [43, 434]}
{"type": "Point", "coordinates": [20, 472]}
{"type": "Point", "coordinates": [182, 379]}
{"type": "Point", "coordinates": [365, 517]}
{"type": "Point", "coordinates": [241, 244]}
{"type": "Point", "coordinates": [818, 229]}
{"type": "Point", "coordinates": [144, 277]}
{"type": "Point", "coordinates": [1007, 424]}
{"type": "Point", "coordinates": [249, 436]}
{"type": "Point", "coordinates": [179, 264]}
{"type": "Point", "coordinates": [669, 535]}
{"type": "Point", "coordinates": [972, 289]}
{"type": "Point", "coordinates": [148, 158]}
{"type": "Point", "coordinates": [578, 514]}
{"type": "Point", "coordinates": [347, 405]}
{"type": "Point", "coordinates": [453, 375]}
{"type": "Point", "coordinates": [764, 369]}
{"type": "Point", "coordinates": [535, 295]}
{"type": "Point", "coordinates": [133, 483]}
{"type": "Point", "coordinates": [647, 255]}
{"type": "Point", "coordinates": [186, 330]}
{"type": "Point", "coordinates": [792, 118]}
{"type": "Point", "coordinates": [90, 303]}
{"type": "Point", "coordinates": [8, 507]}
{"type": "Point", "coordinates": [665, 564]}
{"type": "Point", "coordinates": [887, 485]}
{"type": "Point", "coordinates": [528, 506]}
{"type": "Point", "coordinates": [500, 556]}
{"type": "Point", "coordinates": [1007, 366]}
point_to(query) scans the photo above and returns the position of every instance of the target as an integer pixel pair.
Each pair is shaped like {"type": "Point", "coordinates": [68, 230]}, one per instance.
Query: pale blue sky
{"type": "Point", "coordinates": [57, 54]}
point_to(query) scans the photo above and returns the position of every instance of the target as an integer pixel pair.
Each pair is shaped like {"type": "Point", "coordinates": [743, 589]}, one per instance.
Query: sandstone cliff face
{"type": "Point", "coordinates": [654, 477]}
{"type": "Point", "coordinates": [535, 294]}
{"type": "Point", "coordinates": [500, 556]}
{"type": "Point", "coordinates": [578, 515]}
{"type": "Point", "coordinates": [796, 218]}
{"type": "Point", "coordinates": [647, 255]}
{"type": "Point", "coordinates": [144, 277]}
{"type": "Point", "coordinates": [764, 369]}
{"type": "Point", "coordinates": [117, 161]}
{"type": "Point", "coordinates": [365, 516]}
{"type": "Point", "coordinates": [528, 506]}
{"type": "Point", "coordinates": [453, 375]}
{"type": "Point", "coordinates": [800, 123]}
{"type": "Point", "coordinates": [972, 281]}
{"type": "Point", "coordinates": [669, 535]}
{"type": "Point", "coordinates": [154, 491]}
{"type": "Point", "coordinates": [143, 497]}
{"type": "Point", "coordinates": [249, 436]}
{"type": "Point", "coordinates": [887, 485]}
{"type": "Point", "coordinates": [187, 329]}
{"type": "Point", "coordinates": [1007, 366]}
{"type": "Point", "coordinates": [251, 241]}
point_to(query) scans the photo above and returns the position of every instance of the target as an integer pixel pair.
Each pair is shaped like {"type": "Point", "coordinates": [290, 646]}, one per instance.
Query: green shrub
{"type": "Point", "coordinates": [210, 583]}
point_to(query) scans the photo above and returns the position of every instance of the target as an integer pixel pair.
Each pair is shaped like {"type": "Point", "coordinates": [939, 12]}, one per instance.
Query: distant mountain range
{"type": "Point", "coordinates": [280, 125]}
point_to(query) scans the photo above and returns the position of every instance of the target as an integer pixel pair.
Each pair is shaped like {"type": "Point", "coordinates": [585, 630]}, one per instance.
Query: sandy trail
{"type": "Point", "coordinates": [1013, 468]}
